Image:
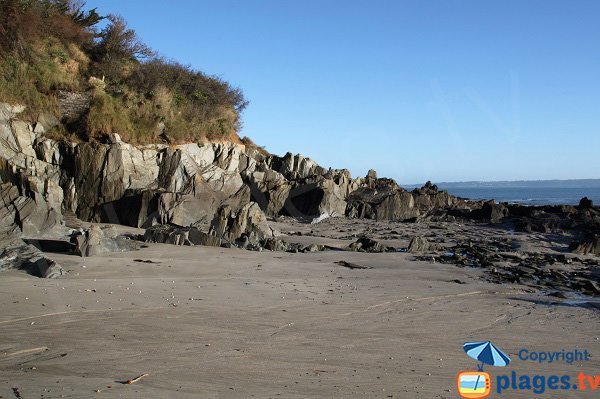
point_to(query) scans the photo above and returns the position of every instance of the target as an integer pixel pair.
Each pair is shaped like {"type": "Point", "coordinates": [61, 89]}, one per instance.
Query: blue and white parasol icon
{"type": "Point", "coordinates": [486, 353]}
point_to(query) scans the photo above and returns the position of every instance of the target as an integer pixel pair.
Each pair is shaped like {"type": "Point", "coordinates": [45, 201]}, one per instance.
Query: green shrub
{"type": "Point", "coordinates": [108, 115]}
{"type": "Point", "coordinates": [47, 46]}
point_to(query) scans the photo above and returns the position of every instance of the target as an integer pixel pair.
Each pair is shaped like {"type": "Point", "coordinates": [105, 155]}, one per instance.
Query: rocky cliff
{"type": "Point", "coordinates": [175, 191]}
{"type": "Point", "coordinates": [117, 182]}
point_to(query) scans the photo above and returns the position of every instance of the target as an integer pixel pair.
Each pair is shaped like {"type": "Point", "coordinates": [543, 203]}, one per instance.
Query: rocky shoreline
{"type": "Point", "coordinates": [230, 195]}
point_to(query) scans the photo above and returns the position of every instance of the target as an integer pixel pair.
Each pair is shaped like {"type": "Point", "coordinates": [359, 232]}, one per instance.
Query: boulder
{"type": "Point", "coordinates": [420, 244]}
{"type": "Point", "coordinates": [249, 221]}
{"type": "Point", "coordinates": [100, 240]}
{"type": "Point", "coordinates": [275, 244]}
{"type": "Point", "coordinates": [20, 255]}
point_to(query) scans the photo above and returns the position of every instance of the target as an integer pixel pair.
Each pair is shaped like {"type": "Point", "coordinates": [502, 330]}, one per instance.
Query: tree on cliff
{"type": "Point", "coordinates": [117, 46]}
{"type": "Point", "coordinates": [23, 22]}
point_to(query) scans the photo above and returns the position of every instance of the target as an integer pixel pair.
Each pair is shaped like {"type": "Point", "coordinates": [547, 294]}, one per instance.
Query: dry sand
{"type": "Point", "coordinates": [212, 322]}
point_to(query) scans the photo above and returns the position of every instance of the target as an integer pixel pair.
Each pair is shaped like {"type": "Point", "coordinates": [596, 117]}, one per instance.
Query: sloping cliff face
{"type": "Point", "coordinates": [43, 179]}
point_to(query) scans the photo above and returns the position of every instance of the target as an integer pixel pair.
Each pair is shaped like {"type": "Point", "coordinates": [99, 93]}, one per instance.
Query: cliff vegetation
{"type": "Point", "coordinates": [93, 76]}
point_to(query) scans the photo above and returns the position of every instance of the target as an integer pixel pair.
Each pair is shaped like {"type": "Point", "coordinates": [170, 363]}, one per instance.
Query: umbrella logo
{"type": "Point", "coordinates": [477, 384]}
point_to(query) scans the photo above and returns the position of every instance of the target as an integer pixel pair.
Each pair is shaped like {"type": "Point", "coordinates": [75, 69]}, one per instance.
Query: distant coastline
{"type": "Point", "coordinates": [526, 192]}
{"type": "Point", "coordinates": [571, 183]}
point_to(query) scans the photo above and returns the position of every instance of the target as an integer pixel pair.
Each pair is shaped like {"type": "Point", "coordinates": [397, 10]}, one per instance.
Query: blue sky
{"type": "Point", "coordinates": [418, 90]}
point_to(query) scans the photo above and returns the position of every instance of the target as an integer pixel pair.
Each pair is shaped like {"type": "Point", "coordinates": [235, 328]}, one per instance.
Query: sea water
{"type": "Point", "coordinates": [527, 195]}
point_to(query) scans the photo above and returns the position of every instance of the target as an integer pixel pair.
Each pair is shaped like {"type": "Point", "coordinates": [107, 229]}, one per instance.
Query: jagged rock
{"type": "Point", "coordinates": [421, 244]}
{"type": "Point", "coordinates": [397, 207]}
{"type": "Point", "coordinates": [316, 197]}
{"type": "Point", "coordinates": [103, 173]}
{"type": "Point", "coordinates": [275, 244]}
{"type": "Point", "coordinates": [383, 199]}
{"type": "Point", "coordinates": [19, 255]}
{"type": "Point", "coordinates": [185, 184]}
{"type": "Point", "coordinates": [249, 221]}
{"type": "Point", "coordinates": [144, 208]}
{"type": "Point", "coordinates": [490, 212]}
{"type": "Point", "coordinates": [371, 179]}
{"type": "Point", "coordinates": [177, 235]}
{"type": "Point", "coordinates": [21, 215]}
{"type": "Point", "coordinates": [591, 246]}
{"type": "Point", "coordinates": [296, 167]}
{"type": "Point", "coordinates": [100, 240]}
{"type": "Point", "coordinates": [428, 198]}
{"type": "Point", "coordinates": [365, 244]}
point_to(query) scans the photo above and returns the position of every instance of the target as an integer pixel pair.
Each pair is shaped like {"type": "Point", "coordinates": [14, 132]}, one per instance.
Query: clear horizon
{"type": "Point", "coordinates": [440, 91]}
{"type": "Point", "coordinates": [499, 181]}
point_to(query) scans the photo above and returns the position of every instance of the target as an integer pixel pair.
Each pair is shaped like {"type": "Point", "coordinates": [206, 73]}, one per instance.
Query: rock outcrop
{"type": "Point", "coordinates": [100, 240]}
{"type": "Point", "coordinates": [383, 199]}
{"type": "Point", "coordinates": [365, 244]}
{"type": "Point", "coordinates": [246, 228]}
{"type": "Point", "coordinates": [421, 244]}
{"type": "Point", "coordinates": [591, 246]}
{"type": "Point", "coordinates": [116, 182]}
{"type": "Point", "coordinates": [248, 225]}
{"type": "Point", "coordinates": [177, 235]}
{"type": "Point", "coordinates": [27, 215]}
{"type": "Point", "coordinates": [236, 187]}
{"type": "Point", "coordinates": [490, 212]}
{"type": "Point", "coordinates": [17, 254]}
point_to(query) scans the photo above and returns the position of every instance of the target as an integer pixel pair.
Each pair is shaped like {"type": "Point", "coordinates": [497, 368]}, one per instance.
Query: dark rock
{"type": "Point", "coordinates": [383, 199]}
{"type": "Point", "coordinates": [20, 255]}
{"type": "Point", "coordinates": [385, 202]}
{"type": "Point", "coordinates": [591, 246]}
{"type": "Point", "coordinates": [350, 265]}
{"type": "Point", "coordinates": [490, 212]}
{"type": "Point", "coordinates": [365, 244]}
{"type": "Point", "coordinates": [585, 203]}
{"type": "Point", "coordinates": [50, 245]}
{"type": "Point", "coordinates": [177, 235]}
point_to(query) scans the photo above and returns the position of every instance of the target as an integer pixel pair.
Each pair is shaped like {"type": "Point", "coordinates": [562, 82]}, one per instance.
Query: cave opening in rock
{"type": "Point", "coordinates": [304, 201]}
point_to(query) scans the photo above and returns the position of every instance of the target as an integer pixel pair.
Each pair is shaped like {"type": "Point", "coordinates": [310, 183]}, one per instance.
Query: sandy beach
{"type": "Point", "coordinates": [206, 322]}
{"type": "Point", "coordinates": [299, 199]}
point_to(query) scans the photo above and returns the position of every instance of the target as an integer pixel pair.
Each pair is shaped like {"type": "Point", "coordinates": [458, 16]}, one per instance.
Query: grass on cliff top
{"type": "Point", "coordinates": [47, 46]}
